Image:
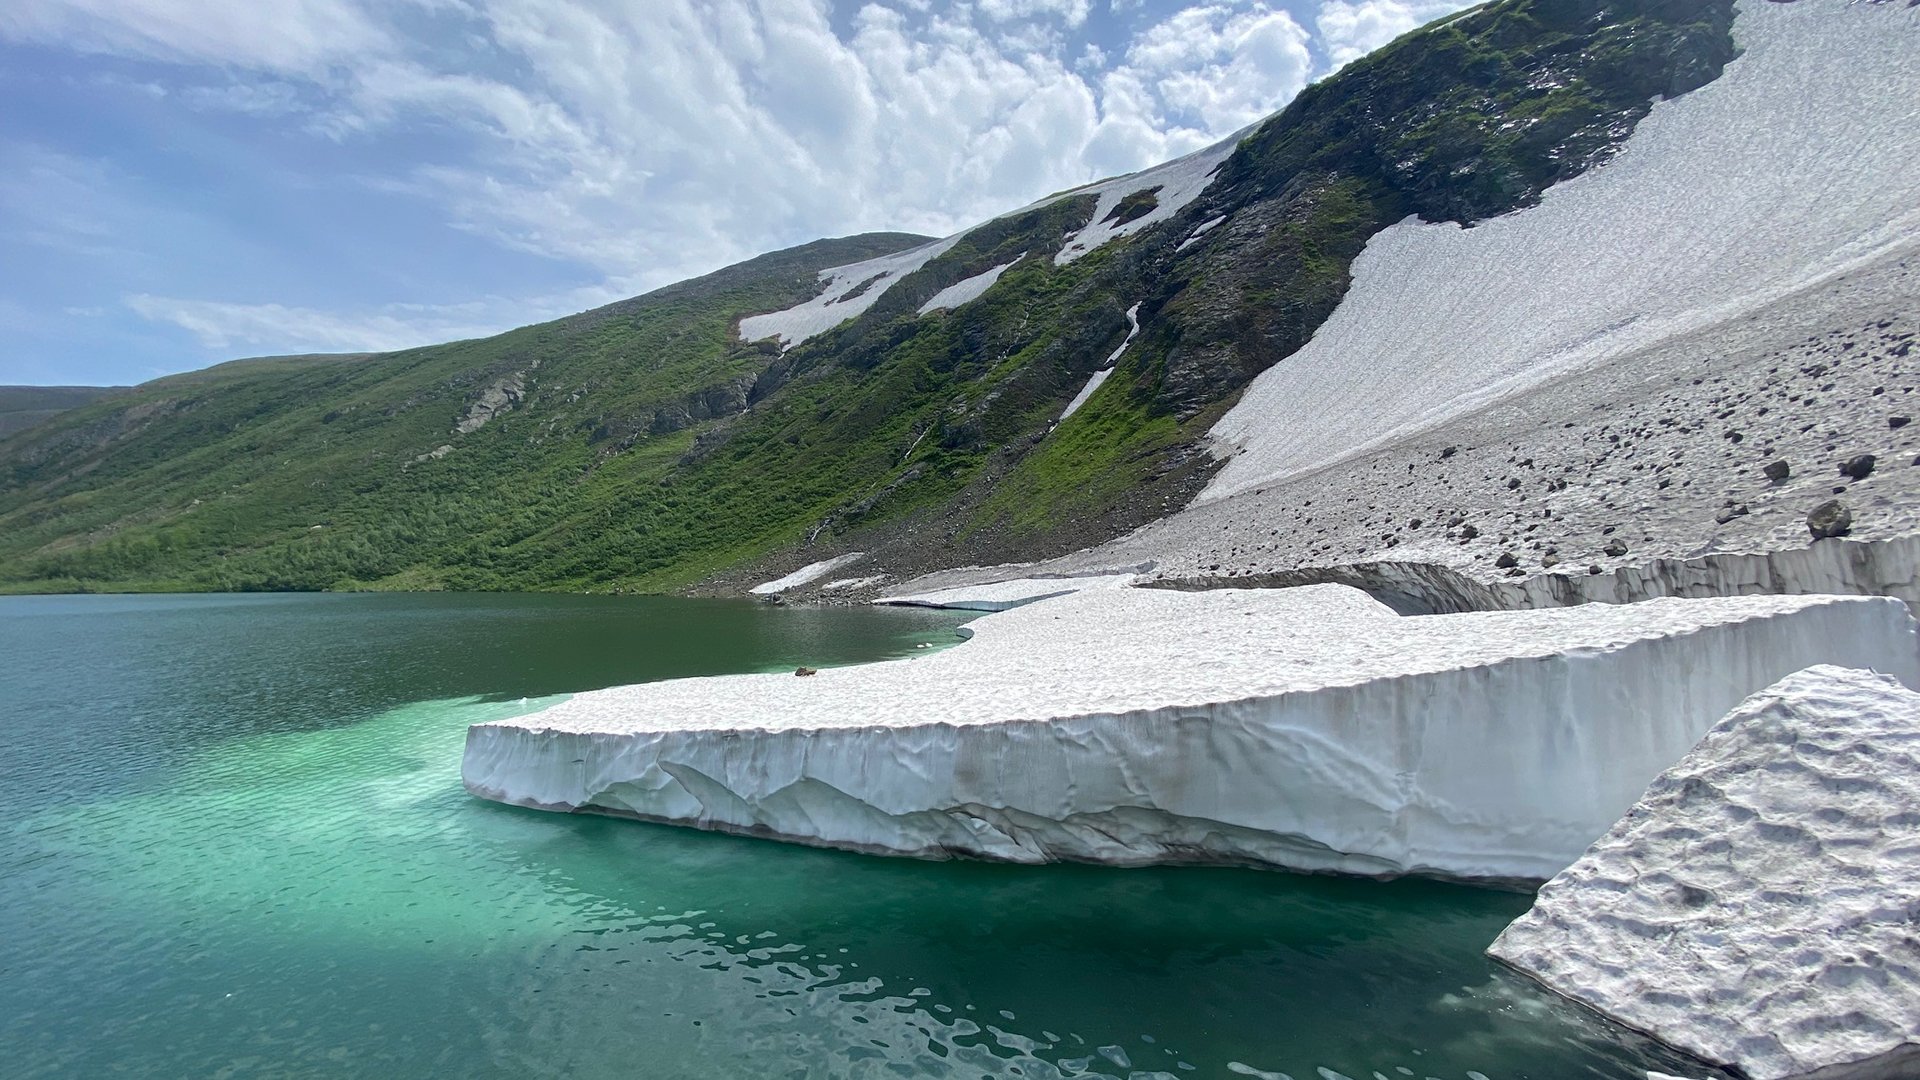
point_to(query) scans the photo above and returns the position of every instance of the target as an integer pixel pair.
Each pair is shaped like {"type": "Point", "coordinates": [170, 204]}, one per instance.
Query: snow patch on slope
{"type": "Point", "coordinates": [1709, 210]}
{"type": "Point", "coordinates": [1094, 382]}
{"type": "Point", "coordinates": [1309, 728]}
{"type": "Point", "coordinates": [1008, 594]}
{"type": "Point", "coordinates": [1099, 377]}
{"type": "Point", "coordinates": [1179, 181]}
{"type": "Point", "coordinates": [807, 573]}
{"type": "Point", "coordinates": [837, 302]}
{"type": "Point", "coordinates": [1756, 907]}
{"type": "Point", "coordinates": [967, 289]}
{"type": "Point", "coordinates": [1199, 231]}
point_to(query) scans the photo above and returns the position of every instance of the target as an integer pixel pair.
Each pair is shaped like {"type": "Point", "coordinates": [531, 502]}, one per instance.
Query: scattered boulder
{"type": "Point", "coordinates": [1730, 513]}
{"type": "Point", "coordinates": [1755, 907]}
{"type": "Point", "coordinates": [1778, 471]}
{"type": "Point", "coordinates": [1614, 548]}
{"type": "Point", "coordinates": [1506, 560]}
{"type": "Point", "coordinates": [1857, 468]}
{"type": "Point", "coordinates": [806, 671]}
{"type": "Point", "coordinates": [1897, 422]}
{"type": "Point", "coordinates": [1468, 532]}
{"type": "Point", "coordinates": [1830, 519]}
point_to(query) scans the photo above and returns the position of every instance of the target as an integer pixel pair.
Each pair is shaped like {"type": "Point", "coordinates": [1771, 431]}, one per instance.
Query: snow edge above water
{"type": "Point", "coordinates": [1307, 777]}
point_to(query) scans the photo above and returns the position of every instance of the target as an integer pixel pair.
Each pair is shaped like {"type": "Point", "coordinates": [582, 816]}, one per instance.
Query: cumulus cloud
{"type": "Point", "coordinates": [650, 141]}
{"type": "Point", "coordinates": [1350, 29]}
{"type": "Point", "coordinates": [294, 36]}
{"type": "Point", "coordinates": [259, 328]}
{"type": "Point", "coordinates": [1072, 12]}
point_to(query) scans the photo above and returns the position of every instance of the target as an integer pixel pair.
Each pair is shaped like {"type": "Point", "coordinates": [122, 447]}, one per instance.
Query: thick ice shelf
{"type": "Point", "coordinates": [1309, 728]}
{"type": "Point", "coordinates": [1756, 907]}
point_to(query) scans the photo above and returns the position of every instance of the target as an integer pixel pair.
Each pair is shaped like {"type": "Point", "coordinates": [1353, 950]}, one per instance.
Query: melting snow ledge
{"type": "Point", "coordinates": [1308, 728]}
{"type": "Point", "coordinates": [1756, 908]}
{"type": "Point", "coordinates": [808, 573]}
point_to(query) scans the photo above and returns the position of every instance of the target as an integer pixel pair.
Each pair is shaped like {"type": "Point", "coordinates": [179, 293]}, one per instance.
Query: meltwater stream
{"type": "Point", "coordinates": [233, 842]}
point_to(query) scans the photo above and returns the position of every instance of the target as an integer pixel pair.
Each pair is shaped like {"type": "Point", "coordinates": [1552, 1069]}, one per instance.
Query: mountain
{"type": "Point", "coordinates": [21, 407]}
{"type": "Point", "coordinates": [1039, 384]}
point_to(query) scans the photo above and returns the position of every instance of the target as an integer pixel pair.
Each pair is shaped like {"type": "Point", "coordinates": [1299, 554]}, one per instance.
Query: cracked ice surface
{"type": "Point", "coordinates": [1308, 728]}
{"type": "Point", "coordinates": [1756, 907]}
{"type": "Point", "coordinates": [1798, 163]}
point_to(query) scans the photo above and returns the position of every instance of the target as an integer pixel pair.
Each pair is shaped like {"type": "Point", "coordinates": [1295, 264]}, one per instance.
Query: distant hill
{"type": "Point", "coordinates": [21, 407]}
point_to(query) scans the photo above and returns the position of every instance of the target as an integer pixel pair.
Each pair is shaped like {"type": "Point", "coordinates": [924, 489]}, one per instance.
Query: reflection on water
{"type": "Point", "coordinates": [207, 874]}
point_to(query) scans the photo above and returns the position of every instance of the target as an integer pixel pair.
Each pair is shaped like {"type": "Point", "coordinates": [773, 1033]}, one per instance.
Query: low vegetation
{"type": "Point", "coordinates": [642, 446]}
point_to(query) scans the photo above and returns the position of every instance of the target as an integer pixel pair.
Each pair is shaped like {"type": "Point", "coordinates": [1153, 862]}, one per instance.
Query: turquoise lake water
{"type": "Point", "coordinates": [233, 843]}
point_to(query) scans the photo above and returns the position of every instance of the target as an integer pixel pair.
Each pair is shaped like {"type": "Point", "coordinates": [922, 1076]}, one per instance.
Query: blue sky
{"type": "Point", "coordinates": [188, 181]}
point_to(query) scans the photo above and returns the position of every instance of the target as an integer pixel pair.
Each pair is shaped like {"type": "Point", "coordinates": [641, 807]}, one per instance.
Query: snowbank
{"type": "Point", "coordinates": [1200, 231]}
{"type": "Point", "coordinates": [1308, 728]}
{"type": "Point", "coordinates": [842, 297]}
{"type": "Point", "coordinates": [1178, 183]}
{"type": "Point", "coordinates": [966, 289]}
{"type": "Point", "coordinates": [1756, 907]}
{"type": "Point", "coordinates": [852, 583]}
{"type": "Point", "coordinates": [1098, 378]}
{"type": "Point", "coordinates": [1829, 567]}
{"type": "Point", "coordinates": [807, 573]}
{"type": "Point", "coordinates": [1710, 210]}
{"type": "Point", "coordinates": [1094, 382]}
{"type": "Point", "coordinates": [1008, 594]}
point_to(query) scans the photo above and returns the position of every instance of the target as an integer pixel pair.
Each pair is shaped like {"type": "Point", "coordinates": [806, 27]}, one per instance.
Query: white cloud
{"type": "Point", "coordinates": [1072, 12]}
{"type": "Point", "coordinates": [1204, 72]}
{"type": "Point", "coordinates": [283, 328]}
{"type": "Point", "coordinates": [295, 36]}
{"type": "Point", "coordinates": [1350, 30]}
{"type": "Point", "coordinates": [650, 141]}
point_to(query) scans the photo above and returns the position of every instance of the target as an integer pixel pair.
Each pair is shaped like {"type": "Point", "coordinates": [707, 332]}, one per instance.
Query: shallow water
{"type": "Point", "coordinates": [233, 842]}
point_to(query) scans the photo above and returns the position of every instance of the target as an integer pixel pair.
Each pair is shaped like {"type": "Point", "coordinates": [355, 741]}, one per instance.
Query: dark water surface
{"type": "Point", "coordinates": [233, 842]}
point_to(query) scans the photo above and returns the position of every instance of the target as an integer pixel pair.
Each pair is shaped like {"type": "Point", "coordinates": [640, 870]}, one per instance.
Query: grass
{"type": "Point", "coordinates": [650, 449]}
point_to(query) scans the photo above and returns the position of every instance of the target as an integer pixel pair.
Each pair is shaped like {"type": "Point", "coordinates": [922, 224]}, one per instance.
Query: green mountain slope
{"type": "Point", "coordinates": [22, 407]}
{"type": "Point", "coordinates": [643, 446]}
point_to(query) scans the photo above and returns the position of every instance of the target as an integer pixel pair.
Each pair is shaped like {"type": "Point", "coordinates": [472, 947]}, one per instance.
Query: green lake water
{"type": "Point", "coordinates": [233, 843]}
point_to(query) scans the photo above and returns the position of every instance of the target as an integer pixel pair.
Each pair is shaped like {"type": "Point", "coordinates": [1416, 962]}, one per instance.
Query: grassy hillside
{"type": "Point", "coordinates": [323, 475]}
{"type": "Point", "coordinates": [641, 446]}
{"type": "Point", "coordinates": [22, 407]}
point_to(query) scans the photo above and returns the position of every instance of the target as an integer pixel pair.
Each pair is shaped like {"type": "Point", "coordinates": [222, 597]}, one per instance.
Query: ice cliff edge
{"type": "Point", "coordinates": [1756, 907]}
{"type": "Point", "coordinates": [1308, 728]}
